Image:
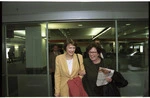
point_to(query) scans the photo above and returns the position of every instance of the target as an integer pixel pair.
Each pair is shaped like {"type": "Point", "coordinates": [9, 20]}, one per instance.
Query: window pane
{"type": "Point", "coordinates": [133, 55]}
{"type": "Point", "coordinates": [26, 55]}
{"type": "Point", "coordinates": [26, 48]}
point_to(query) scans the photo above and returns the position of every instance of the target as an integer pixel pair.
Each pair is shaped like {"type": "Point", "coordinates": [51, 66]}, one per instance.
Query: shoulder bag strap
{"type": "Point", "coordinates": [78, 60]}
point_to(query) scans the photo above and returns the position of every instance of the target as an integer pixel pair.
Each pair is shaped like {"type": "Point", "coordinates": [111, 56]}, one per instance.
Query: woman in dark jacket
{"type": "Point", "coordinates": [92, 64]}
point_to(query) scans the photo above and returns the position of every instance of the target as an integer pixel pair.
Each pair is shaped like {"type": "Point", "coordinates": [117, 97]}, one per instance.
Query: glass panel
{"type": "Point", "coordinates": [28, 86]}
{"type": "Point", "coordinates": [26, 54]}
{"type": "Point", "coordinates": [26, 48]}
{"type": "Point", "coordinates": [32, 86]}
{"type": "Point", "coordinates": [27, 73]}
{"type": "Point", "coordinates": [13, 86]}
{"type": "Point", "coordinates": [82, 32]}
{"type": "Point", "coordinates": [4, 87]}
{"type": "Point", "coordinates": [3, 72]}
{"type": "Point", "coordinates": [133, 55]}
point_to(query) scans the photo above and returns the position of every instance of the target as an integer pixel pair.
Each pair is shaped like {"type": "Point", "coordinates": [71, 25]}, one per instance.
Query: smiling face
{"type": "Point", "coordinates": [93, 54]}
{"type": "Point", "coordinates": [70, 49]}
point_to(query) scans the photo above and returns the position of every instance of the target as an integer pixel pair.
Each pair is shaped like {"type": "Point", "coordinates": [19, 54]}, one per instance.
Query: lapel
{"type": "Point", "coordinates": [75, 64]}
{"type": "Point", "coordinates": [65, 66]}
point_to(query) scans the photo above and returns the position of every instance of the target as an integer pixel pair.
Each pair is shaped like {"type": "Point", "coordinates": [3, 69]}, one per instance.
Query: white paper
{"type": "Point", "coordinates": [101, 78]}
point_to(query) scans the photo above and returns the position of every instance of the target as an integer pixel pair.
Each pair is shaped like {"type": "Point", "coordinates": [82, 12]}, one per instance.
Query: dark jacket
{"type": "Point", "coordinates": [111, 89]}
{"type": "Point", "coordinates": [89, 81]}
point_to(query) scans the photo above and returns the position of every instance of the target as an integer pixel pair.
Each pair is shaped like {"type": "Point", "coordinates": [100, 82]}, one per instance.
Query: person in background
{"type": "Point", "coordinates": [85, 54]}
{"type": "Point", "coordinates": [103, 52]}
{"type": "Point", "coordinates": [23, 55]}
{"type": "Point", "coordinates": [55, 52]}
{"type": "Point", "coordinates": [11, 55]}
{"type": "Point", "coordinates": [61, 50]}
{"type": "Point", "coordinates": [78, 50]}
{"type": "Point", "coordinates": [67, 67]}
{"type": "Point", "coordinates": [92, 65]}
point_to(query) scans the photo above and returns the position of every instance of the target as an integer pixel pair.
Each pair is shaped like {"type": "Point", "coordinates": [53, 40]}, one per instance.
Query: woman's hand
{"type": "Point", "coordinates": [108, 79]}
{"type": "Point", "coordinates": [57, 95]}
{"type": "Point", "coordinates": [82, 73]}
{"type": "Point", "coordinates": [104, 70]}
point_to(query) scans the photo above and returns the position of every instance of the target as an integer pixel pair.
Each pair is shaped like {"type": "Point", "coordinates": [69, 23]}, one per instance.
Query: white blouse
{"type": "Point", "coordinates": [69, 63]}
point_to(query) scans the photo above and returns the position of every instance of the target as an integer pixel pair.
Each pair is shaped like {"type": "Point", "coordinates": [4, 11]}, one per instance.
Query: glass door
{"type": "Point", "coordinates": [26, 57]}
{"type": "Point", "coordinates": [27, 48]}
{"type": "Point", "coordinates": [133, 56]}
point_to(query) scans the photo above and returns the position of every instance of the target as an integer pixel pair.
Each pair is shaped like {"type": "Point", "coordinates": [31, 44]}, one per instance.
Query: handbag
{"type": "Point", "coordinates": [76, 88]}
{"type": "Point", "coordinates": [119, 80]}
{"type": "Point", "coordinates": [111, 89]}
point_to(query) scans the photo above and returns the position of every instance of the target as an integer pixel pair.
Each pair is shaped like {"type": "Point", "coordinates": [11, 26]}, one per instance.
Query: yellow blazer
{"type": "Point", "coordinates": [62, 73]}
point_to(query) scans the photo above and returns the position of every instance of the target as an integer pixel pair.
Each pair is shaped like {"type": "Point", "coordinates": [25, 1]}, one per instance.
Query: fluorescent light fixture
{"type": "Point", "coordinates": [50, 26]}
{"type": "Point", "coordinates": [20, 32]}
{"type": "Point", "coordinates": [80, 25]}
{"type": "Point", "coordinates": [102, 32]}
{"type": "Point", "coordinates": [95, 31]}
{"type": "Point", "coordinates": [141, 49]}
{"type": "Point", "coordinates": [43, 30]}
{"type": "Point", "coordinates": [16, 46]}
{"type": "Point", "coordinates": [133, 53]}
{"type": "Point", "coordinates": [128, 24]}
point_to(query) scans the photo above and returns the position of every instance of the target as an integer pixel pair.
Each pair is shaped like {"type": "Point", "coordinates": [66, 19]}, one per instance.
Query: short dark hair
{"type": "Point", "coordinates": [69, 41]}
{"type": "Point", "coordinates": [93, 44]}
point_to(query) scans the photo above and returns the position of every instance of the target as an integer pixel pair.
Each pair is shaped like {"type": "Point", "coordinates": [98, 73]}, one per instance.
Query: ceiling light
{"type": "Point", "coordinates": [128, 24]}
{"type": "Point", "coordinates": [19, 32]}
{"type": "Point", "coordinates": [80, 25]}
{"type": "Point", "coordinates": [102, 32]}
{"type": "Point", "coordinates": [95, 31]}
{"type": "Point", "coordinates": [125, 33]}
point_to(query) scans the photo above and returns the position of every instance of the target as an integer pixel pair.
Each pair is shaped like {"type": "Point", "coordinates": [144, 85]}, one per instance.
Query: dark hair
{"type": "Point", "coordinates": [93, 44]}
{"type": "Point", "coordinates": [78, 50]}
{"type": "Point", "coordinates": [69, 41]}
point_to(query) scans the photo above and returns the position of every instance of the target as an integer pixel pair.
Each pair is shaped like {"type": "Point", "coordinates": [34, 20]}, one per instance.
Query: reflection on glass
{"type": "Point", "coordinates": [26, 52]}
{"type": "Point", "coordinates": [133, 55]}
{"type": "Point", "coordinates": [26, 48]}
{"type": "Point", "coordinates": [27, 44]}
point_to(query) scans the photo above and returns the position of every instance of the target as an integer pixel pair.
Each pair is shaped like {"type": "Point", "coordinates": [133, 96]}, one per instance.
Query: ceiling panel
{"type": "Point", "coordinates": [81, 30]}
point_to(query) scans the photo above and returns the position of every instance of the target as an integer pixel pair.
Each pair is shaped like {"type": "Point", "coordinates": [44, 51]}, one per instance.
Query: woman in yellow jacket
{"type": "Point", "coordinates": [67, 67]}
